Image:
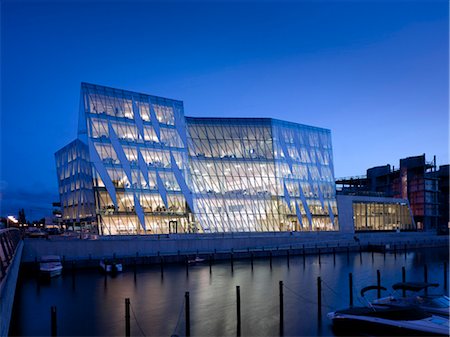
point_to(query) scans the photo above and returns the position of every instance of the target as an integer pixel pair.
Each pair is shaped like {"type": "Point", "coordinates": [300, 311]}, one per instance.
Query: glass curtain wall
{"type": "Point", "coordinates": [137, 145]}
{"type": "Point", "coordinates": [233, 175]}
{"type": "Point", "coordinates": [372, 216]}
{"type": "Point", "coordinates": [150, 170]}
{"type": "Point", "coordinates": [305, 177]}
{"type": "Point", "coordinates": [261, 175]}
{"type": "Point", "coordinates": [74, 175]}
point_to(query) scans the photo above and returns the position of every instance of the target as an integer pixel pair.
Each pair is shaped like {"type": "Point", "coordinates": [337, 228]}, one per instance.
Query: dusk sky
{"type": "Point", "coordinates": [374, 72]}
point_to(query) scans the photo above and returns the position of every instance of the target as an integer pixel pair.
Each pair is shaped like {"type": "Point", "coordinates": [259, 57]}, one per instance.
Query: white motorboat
{"type": "Point", "coordinates": [391, 320]}
{"type": "Point", "coordinates": [50, 265]}
{"type": "Point", "coordinates": [434, 304]}
{"type": "Point", "coordinates": [110, 267]}
{"type": "Point", "coordinates": [196, 260]}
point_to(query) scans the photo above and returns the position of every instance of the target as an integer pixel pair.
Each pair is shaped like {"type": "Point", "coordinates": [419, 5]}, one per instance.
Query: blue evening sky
{"type": "Point", "coordinates": [374, 72]}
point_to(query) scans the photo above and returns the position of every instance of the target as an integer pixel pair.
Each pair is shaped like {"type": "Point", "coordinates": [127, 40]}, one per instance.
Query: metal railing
{"type": "Point", "coordinates": [361, 177]}
{"type": "Point", "coordinates": [9, 240]}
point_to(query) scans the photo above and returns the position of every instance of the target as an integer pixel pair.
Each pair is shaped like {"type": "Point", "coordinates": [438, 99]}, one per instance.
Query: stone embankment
{"type": "Point", "coordinates": [179, 247]}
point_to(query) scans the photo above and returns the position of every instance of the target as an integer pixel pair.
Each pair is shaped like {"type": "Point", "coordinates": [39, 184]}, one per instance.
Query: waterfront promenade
{"type": "Point", "coordinates": [175, 247]}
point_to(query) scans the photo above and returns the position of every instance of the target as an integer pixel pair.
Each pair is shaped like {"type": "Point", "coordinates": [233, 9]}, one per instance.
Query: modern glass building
{"type": "Point", "coordinates": [366, 213]}
{"type": "Point", "coordinates": [139, 166]}
{"type": "Point", "coordinates": [372, 216]}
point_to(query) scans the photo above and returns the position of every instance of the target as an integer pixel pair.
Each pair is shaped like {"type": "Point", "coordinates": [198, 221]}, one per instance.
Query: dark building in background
{"type": "Point", "coordinates": [443, 196]}
{"type": "Point", "coordinates": [416, 180]}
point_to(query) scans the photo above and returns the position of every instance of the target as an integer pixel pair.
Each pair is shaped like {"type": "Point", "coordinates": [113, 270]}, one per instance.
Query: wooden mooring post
{"type": "Point", "coordinates": [425, 273]}
{"type": "Point", "coordinates": [238, 310]}
{"type": "Point", "coordinates": [319, 298]}
{"type": "Point", "coordinates": [127, 318]}
{"type": "Point", "coordinates": [445, 276]}
{"type": "Point", "coordinates": [53, 326]}
{"type": "Point", "coordinates": [350, 288]}
{"type": "Point", "coordinates": [187, 313]}
{"type": "Point", "coordinates": [281, 308]}
{"type": "Point", "coordinates": [403, 280]}
{"type": "Point", "coordinates": [334, 256]}
{"type": "Point", "coordinates": [304, 258]}
{"type": "Point", "coordinates": [73, 274]}
{"type": "Point", "coordinates": [232, 261]}
{"type": "Point", "coordinates": [319, 257]}
{"type": "Point", "coordinates": [425, 276]}
{"type": "Point", "coordinates": [378, 284]}
{"type": "Point", "coordinates": [360, 254]}
{"type": "Point", "coordinates": [270, 259]}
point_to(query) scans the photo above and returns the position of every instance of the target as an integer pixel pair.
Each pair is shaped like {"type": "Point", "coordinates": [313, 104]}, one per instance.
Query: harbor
{"type": "Point", "coordinates": [215, 168]}
{"type": "Point", "coordinates": [88, 302]}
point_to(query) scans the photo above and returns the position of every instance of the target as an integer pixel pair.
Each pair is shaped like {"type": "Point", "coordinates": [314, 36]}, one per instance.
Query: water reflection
{"type": "Point", "coordinates": [90, 304]}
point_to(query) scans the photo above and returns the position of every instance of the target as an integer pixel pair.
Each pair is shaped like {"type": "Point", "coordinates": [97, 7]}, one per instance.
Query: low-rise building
{"type": "Point", "coordinates": [366, 213]}
{"type": "Point", "coordinates": [416, 180]}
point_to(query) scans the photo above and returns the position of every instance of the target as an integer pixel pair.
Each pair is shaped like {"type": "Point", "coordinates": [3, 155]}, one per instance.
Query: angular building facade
{"type": "Point", "coordinates": [152, 170]}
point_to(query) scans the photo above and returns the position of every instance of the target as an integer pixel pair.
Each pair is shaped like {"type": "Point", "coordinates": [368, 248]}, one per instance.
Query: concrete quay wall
{"type": "Point", "coordinates": [8, 289]}
{"type": "Point", "coordinates": [175, 247]}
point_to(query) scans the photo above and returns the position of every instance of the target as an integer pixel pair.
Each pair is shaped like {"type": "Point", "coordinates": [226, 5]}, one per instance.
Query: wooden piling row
{"type": "Point", "coordinates": [238, 300]}
{"type": "Point", "coordinates": [53, 326]}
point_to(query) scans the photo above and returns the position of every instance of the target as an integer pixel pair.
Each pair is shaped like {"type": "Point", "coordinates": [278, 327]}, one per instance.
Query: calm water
{"type": "Point", "coordinates": [90, 306]}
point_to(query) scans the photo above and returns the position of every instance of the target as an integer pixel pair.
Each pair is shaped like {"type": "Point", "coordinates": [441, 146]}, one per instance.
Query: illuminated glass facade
{"type": "Point", "coordinates": [153, 170]}
{"type": "Point", "coordinates": [370, 212]}
{"type": "Point", "coordinates": [370, 216]}
{"type": "Point", "coordinates": [74, 173]}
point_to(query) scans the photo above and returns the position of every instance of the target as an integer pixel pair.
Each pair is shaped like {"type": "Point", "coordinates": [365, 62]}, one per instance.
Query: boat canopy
{"type": "Point", "coordinates": [413, 286]}
{"type": "Point", "coordinates": [391, 313]}
{"type": "Point", "coordinates": [363, 290]}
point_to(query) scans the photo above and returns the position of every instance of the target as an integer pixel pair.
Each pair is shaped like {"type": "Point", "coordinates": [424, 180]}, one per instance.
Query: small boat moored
{"type": "Point", "coordinates": [434, 304]}
{"type": "Point", "coordinates": [110, 267]}
{"type": "Point", "coordinates": [196, 260]}
{"type": "Point", "coordinates": [50, 266]}
{"type": "Point", "coordinates": [390, 320]}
